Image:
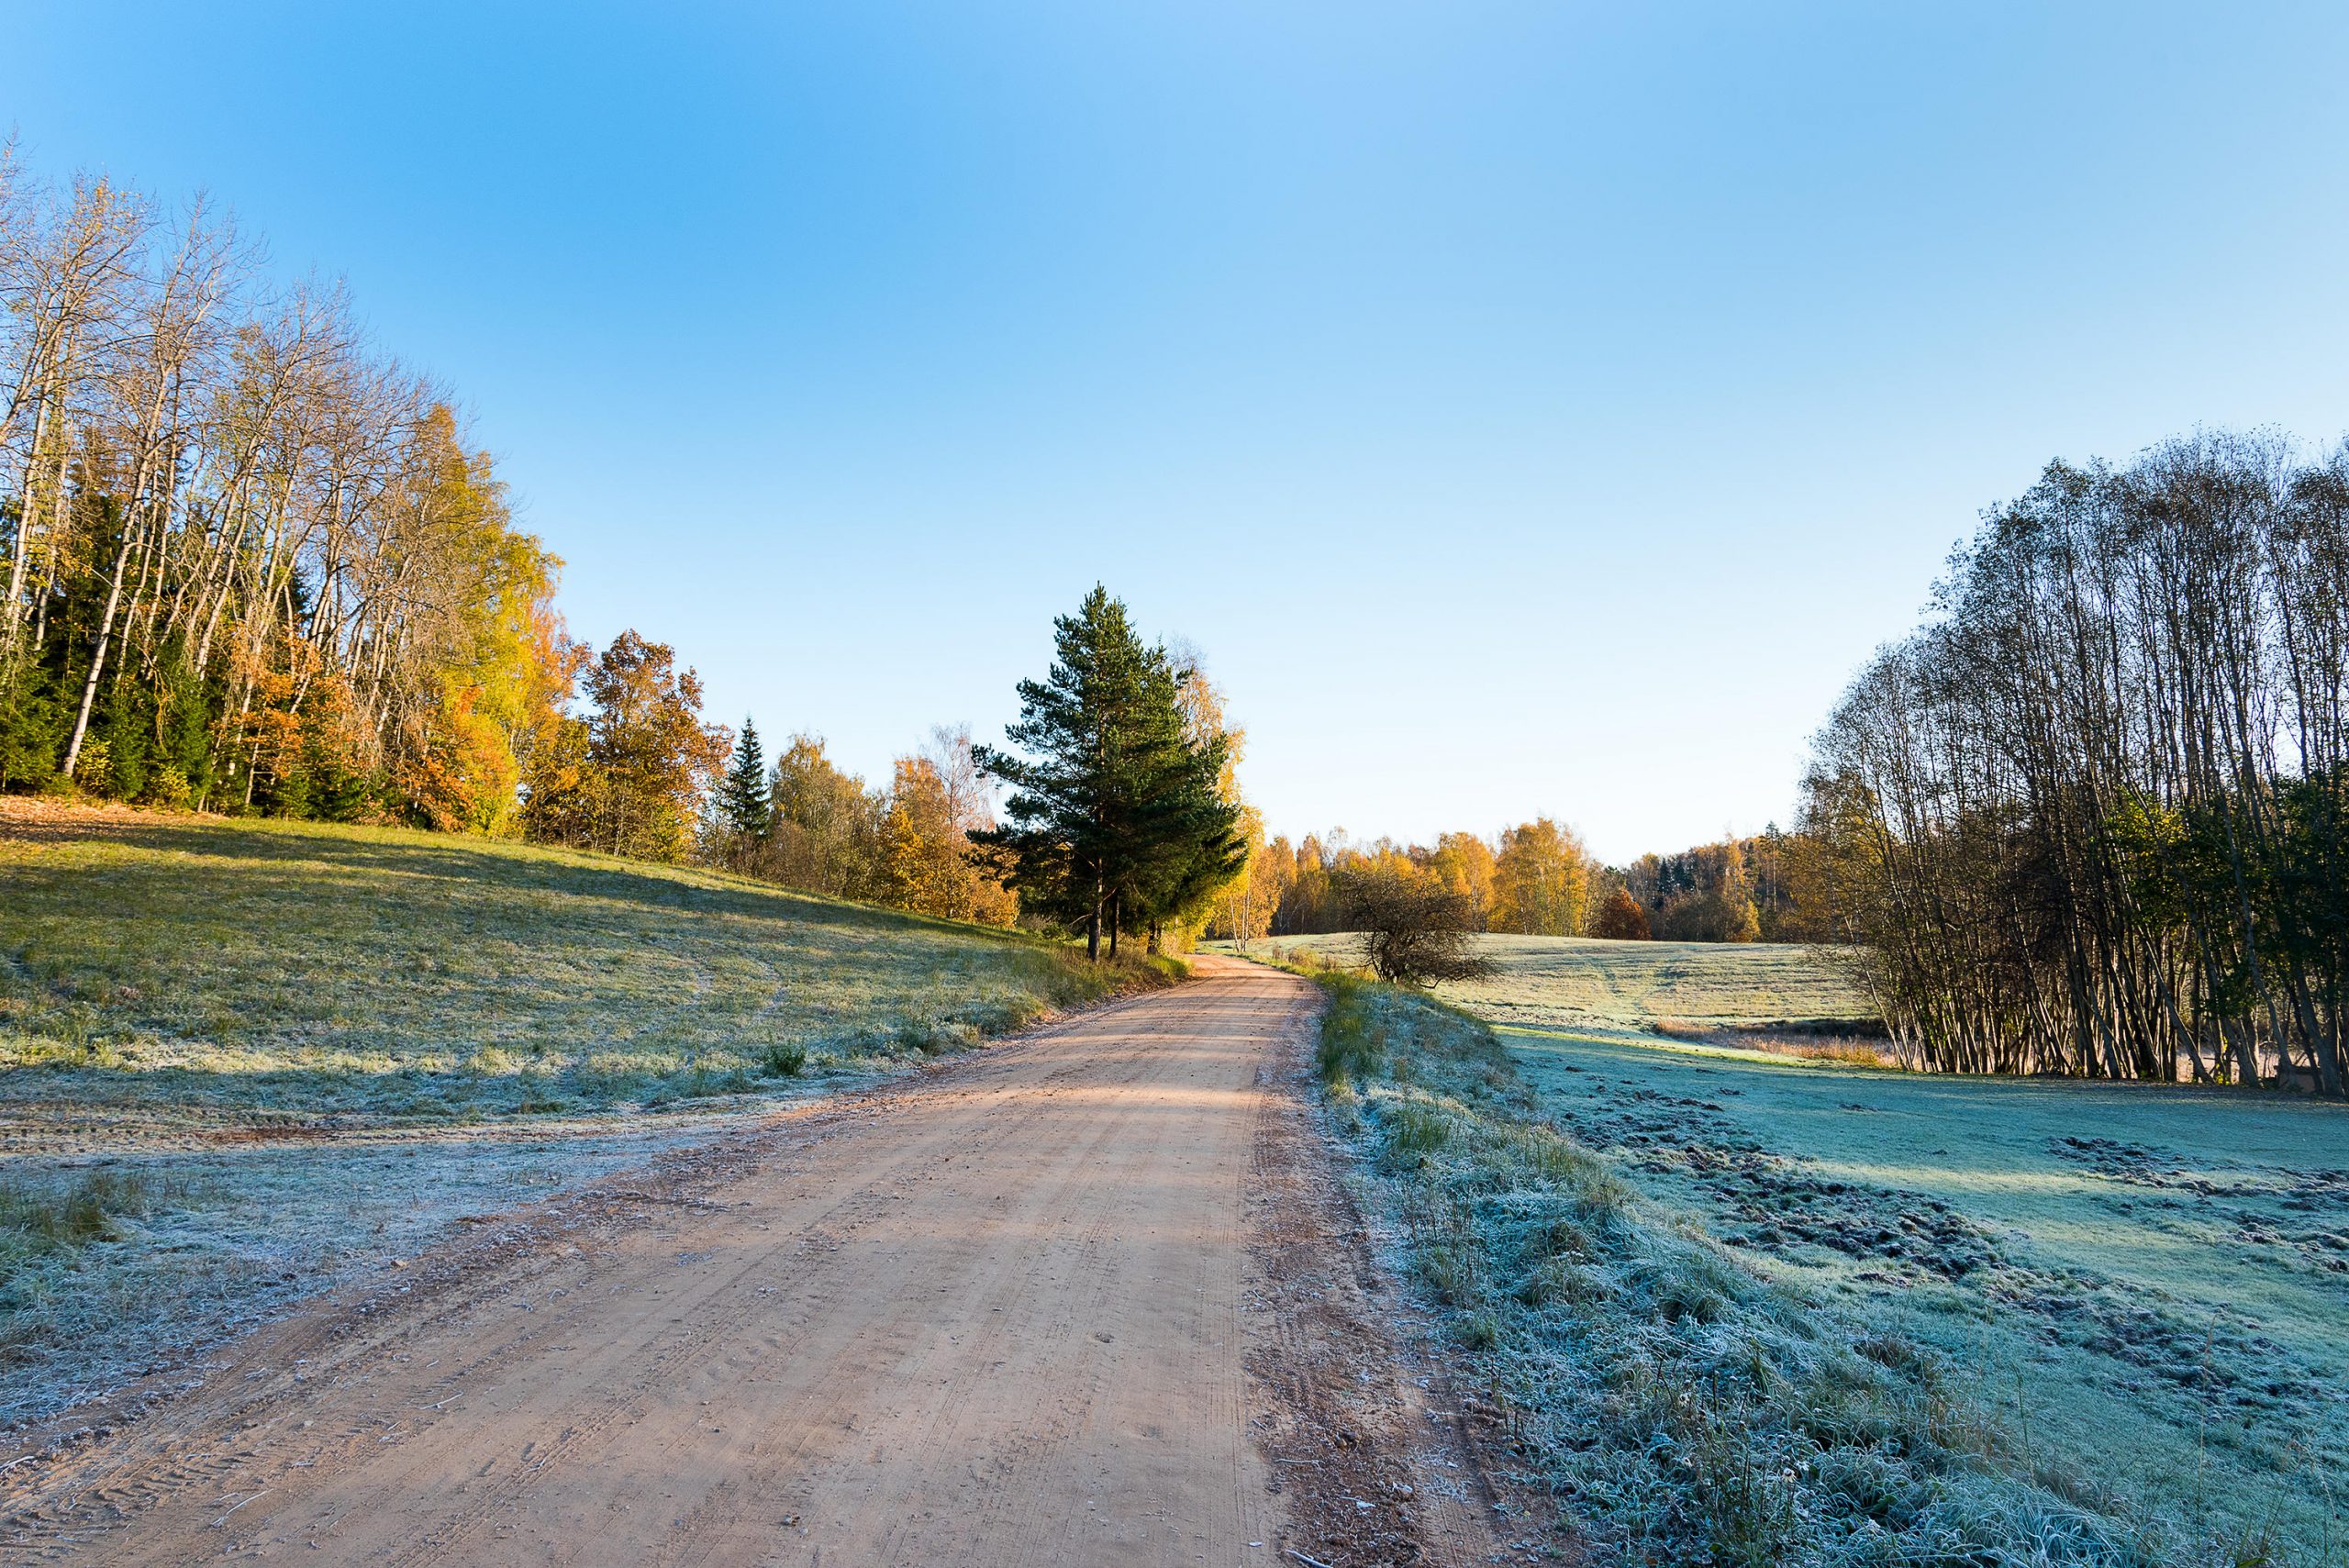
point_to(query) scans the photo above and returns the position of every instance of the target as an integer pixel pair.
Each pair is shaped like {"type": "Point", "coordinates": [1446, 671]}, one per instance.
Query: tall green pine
{"type": "Point", "coordinates": [1113, 818]}
{"type": "Point", "coordinates": [743, 798]}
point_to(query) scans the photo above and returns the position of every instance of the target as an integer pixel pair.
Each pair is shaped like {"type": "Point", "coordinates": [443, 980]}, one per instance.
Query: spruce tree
{"type": "Point", "coordinates": [742, 799]}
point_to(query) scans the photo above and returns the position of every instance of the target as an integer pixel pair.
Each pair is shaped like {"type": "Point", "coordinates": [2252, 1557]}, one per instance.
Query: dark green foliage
{"type": "Point", "coordinates": [743, 802]}
{"type": "Point", "coordinates": [337, 793]}
{"type": "Point", "coordinates": [124, 725]}
{"type": "Point", "coordinates": [1115, 821]}
{"type": "Point", "coordinates": [32, 724]}
{"type": "Point", "coordinates": [153, 728]}
{"type": "Point", "coordinates": [183, 711]}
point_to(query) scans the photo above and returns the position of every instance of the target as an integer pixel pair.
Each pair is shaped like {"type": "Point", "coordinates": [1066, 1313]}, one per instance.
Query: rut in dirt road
{"type": "Point", "coordinates": [997, 1317]}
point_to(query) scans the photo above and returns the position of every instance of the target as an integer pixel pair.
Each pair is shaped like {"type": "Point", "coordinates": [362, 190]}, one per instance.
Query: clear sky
{"type": "Point", "coordinates": [1527, 409]}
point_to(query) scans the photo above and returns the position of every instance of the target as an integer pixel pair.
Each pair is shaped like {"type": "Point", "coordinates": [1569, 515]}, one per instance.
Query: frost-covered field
{"type": "Point", "coordinates": [2151, 1284]}
{"type": "Point", "coordinates": [1582, 982]}
{"type": "Point", "coordinates": [240, 1061]}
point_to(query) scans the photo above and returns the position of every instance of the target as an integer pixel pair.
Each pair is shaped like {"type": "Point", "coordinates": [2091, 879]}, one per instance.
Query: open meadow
{"type": "Point", "coordinates": [2141, 1288]}
{"type": "Point", "coordinates": [1681, 988]}
{"type": "Point", "coordinates": [239, 1059]}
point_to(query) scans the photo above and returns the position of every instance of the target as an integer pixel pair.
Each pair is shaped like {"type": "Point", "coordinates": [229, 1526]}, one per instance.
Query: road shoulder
{"type": "Point", "coordinates": [1368, 1448]}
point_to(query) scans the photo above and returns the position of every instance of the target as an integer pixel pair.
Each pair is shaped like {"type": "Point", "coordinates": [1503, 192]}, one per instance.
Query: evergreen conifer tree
{"type": "Point", "coordinates": [1114, 818]}
{"type": "Point", "coordinates": [742, 799]}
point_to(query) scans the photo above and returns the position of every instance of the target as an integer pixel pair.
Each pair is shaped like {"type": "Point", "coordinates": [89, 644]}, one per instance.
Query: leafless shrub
{"type": "Point", "coordinates": [1414, 932]}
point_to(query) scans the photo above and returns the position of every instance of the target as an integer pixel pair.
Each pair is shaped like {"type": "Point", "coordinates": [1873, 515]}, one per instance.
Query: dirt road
{"type": "Point", "coordinates": [1004, 1315]}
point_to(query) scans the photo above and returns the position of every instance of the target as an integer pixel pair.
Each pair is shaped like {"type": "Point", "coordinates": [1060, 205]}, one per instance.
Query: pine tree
{"type": "Point", "coordinates": [743, 798]}
{"type": "Point", "coordinates": [1187, 843]}
{"type": "Point", "coordinates": [1115, 817]}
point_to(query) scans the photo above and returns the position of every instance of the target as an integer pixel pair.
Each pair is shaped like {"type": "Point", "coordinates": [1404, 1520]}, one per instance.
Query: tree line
{"type": "Point", "coordinates": [1535, 879]}
{"type": "Point", "coordinates": [248, 562]}
{"type": "Point", "coordinates": [251, 563]}
{"type": "Point", "coordinates": [803, 822]}
{"type": "Point", "coordinates": [2089, 819]}
{"type": "Point", "coordinates": [252, 566]}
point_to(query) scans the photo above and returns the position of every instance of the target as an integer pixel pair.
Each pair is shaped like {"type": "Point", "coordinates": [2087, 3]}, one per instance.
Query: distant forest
{"type": "Point", "coordinates": [251, 565]}
{"type": "Point", "coordinates": [2092, 819]}
{"type": "Point", "coordinates": [1536, 879]}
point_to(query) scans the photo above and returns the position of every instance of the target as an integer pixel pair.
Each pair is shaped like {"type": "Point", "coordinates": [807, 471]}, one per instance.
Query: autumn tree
{"type": "Point", "coordinates": [489, 663]}
{"type": "Point", "coordinates": [1463, 864]}
{"type": "Point", "coordinates": [1250, 902]}
{"type": "Point", "coordinates": [824, 833]}
{"type": "Point", "coordinates": [1540, 881]}
{"type": "Point", "coordinates": [632, 779]}
{"type": "Point", "coordinates": [1622, 919]}
{"type": "Point", "coordinates": [928, 862]}
{"type": "Point", "coordinates": [1310, 901]}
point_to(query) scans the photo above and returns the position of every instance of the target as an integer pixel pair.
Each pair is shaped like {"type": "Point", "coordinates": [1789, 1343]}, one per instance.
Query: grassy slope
{"type": "Point", "coordinates": [194, 970]}
{"type": "Point", "coordinates": [2158, 1305]}
{"type": "Point", "coordinates": [475, 1024]}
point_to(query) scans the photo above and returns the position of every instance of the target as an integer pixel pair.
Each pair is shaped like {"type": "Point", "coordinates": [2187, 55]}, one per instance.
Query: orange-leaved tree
{"type": "Point", "coordinates": [1622, 919]}
{"type": "Point", "coordinates": [629, 779]}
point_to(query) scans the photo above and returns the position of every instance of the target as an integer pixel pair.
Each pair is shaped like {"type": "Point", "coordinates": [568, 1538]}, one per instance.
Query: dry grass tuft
{"type": "Point", "coordinates": [1799, 1043]}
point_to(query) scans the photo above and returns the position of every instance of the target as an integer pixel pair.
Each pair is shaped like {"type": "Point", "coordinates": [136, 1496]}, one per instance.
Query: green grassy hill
{"type": "Point", "coordinates": [190, 971]}
{"type": "Point", "coordinates": [243, 1061]}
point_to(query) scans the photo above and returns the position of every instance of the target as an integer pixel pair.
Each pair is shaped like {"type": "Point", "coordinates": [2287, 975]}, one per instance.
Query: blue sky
{"type": "Point", "coordinates": [1526, 408]}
